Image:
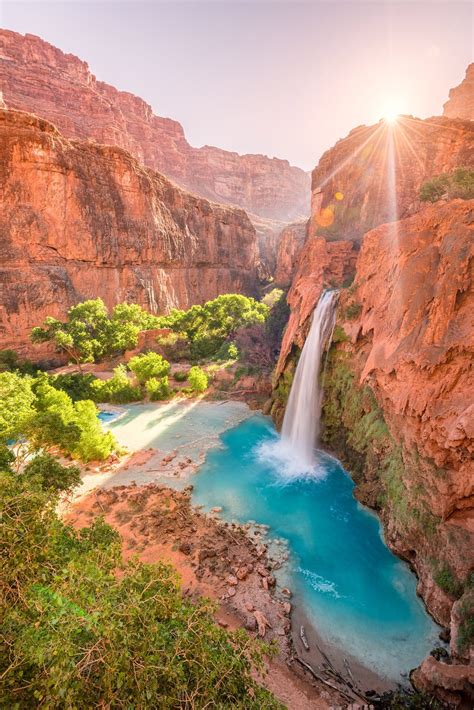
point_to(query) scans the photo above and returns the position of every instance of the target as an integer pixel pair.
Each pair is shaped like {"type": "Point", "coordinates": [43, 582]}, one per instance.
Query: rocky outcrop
{"type": "Point", "coordinates": [39, 78]}
{"type": "Point", "coordinates": [80, 220]}
{"type": "Point", "coordinates": [290, 244]}
{"type": "Point", "coordinates": [461, 99]}
{"type": "Point", "coordinates": [374, 175]}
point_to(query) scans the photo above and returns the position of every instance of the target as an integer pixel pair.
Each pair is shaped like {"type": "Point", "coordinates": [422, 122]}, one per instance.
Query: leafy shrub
{"type": "Point", "coordinates": [158, 388]}
{"type": "Point", "coordinates": [117, 389]}
{"type": "Point", "coordinates": [272, 297]}
{"type": "Point", "coordinates": [46, 471]}
{"type": "Point", "coordinates": [459, 183]}
{"type": "Point", "coordinates": [353, 311]}
{"type": "Point", "coordinates": [16, 405]}
{"type": "Point", "coordinates": [198, 380]}
{"type": "Point", "coordinates": [174, 346]}
{"type": "Point", "coordinates": [76, 385]}
{"type": "Point", "coordinates": [447, 581]}
{"type": "Point", "coordinates": [180, 375]}
{"type": "Point", "coordinates": [77, 634]}
{"type": "Point", "coordinates": [10, 361]}
{"type": "Point", "coordinates": [149, 365]}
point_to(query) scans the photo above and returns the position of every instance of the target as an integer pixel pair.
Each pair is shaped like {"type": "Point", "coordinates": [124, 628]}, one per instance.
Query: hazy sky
{"type": "Point", "coordinates": [281, 78]}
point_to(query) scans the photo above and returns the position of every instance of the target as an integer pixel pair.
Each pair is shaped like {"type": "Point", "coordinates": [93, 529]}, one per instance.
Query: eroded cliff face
{"type": "Point", "coordinates": [80, 220]}
{"type": "Point", "coordinates": [399, 412]}
{"type": "Point", "coordinates": [461, 99]}
{"type": "Point", "coordinates": [289, 246]}
{"type": "Point", "coordinates": [374, 175]}
{"type": "Point", "coordinates": [397, 408]}
{"type": "Point", "coordinates": [39, 78]}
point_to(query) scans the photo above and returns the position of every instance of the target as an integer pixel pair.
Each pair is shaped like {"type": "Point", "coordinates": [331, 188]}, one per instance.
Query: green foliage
{"type": "Point", "coordinates": [207, 327]}
{"type": "Point", "coordinates": [90, 333]}
{"type": "Point", "coordinates": [51, 418]}
{"type": "Point", "coordinates": [46, 472]}
{"type": "Point", "coordinates": [353, 311]}
{"type": "Point", "coordinates": [174, 346]}
{"type": "Point", "coordinates": [149, 365]}
{"type": "Point", "coordinates": [272, 297]}
{"type": "Point", "coordinates": [198, 380]}
{"type": "Point", "coordinates": [16, 405]}
{"type": "Point", "coordinates": [447, 581]}
{"type": "Point", "coordinates": [180, 375]}
{"type": "Point", "coordinates": [339, 335]}
{"type": "Point", "coordinates": [158, 388]}
{"type": "Point", "coordinates": [10, 361]}
{"type": "Point", "coordinates": [76, 634]}
{"type": "Point", "coordinates": [459, 183]}
{"type": "Point", "coordinates": [76, 385]}
{"type": "Point", "coordinates": [117, 389]}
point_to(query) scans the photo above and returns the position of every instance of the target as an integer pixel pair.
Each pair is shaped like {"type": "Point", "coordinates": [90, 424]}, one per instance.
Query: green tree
{"type": "Point", "coordinates": [158, 388]}
{"type": "Point", "coordinates": [207, 327]}
{"type": "Point", "coordinates": [89, 334]}
{"type": "Point", "coordinates": [16, 405]}
{"type": "Point", "coordinates": [117, 389]}
{"type": "Point", "coordinates": [77, 634]}
{"type": "Point", "coordinates": [198, 380]}
{"type": "Point", "coordinates": [148, 365]}
{"type": "Point", "coordinates": [46, 472]}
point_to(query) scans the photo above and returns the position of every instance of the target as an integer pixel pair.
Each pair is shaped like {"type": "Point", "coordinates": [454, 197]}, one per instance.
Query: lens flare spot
{"type": "Point", "coordinates": [339, 196]}
{"type": "Point", "coordinates": [325, 217]}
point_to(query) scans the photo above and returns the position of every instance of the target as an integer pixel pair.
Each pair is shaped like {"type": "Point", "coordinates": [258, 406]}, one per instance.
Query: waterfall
{"type": "Point", "coordinates": [300, 430]}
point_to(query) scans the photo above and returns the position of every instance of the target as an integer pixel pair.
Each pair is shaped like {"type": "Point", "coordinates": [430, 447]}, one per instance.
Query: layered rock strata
{"type": "Point", "coordinates": [80, 220]}
{"type": "Point", "coordinates": [39, 78]}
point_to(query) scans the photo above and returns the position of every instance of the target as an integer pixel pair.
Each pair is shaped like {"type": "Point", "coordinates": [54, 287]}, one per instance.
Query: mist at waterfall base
{"type": "Point", "coordinates": [356, 593]}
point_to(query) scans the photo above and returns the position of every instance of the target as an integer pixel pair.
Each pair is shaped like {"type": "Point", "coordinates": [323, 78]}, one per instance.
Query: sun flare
{"type": "Point", "coordinates": [391, 111]}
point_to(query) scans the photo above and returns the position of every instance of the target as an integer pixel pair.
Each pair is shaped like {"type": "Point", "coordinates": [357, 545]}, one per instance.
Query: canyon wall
{"type": "Point", "coordinates": [461, 99]}
{"type": "Point", "coordinates": [39, 78]}
{"type": "Point", "coordinates": [374, 175]}
{"type": "Point", "coordinates": [80, 220]}
{"type": "Point", "coordinates": [289, 246]}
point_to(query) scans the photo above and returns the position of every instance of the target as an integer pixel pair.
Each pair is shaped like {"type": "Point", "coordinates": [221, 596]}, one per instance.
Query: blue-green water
{"type": "Point", "coordinates": [357, 594]}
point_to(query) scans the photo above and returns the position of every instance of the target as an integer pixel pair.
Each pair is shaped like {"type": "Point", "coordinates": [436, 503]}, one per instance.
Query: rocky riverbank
{"type": "Point", "coordinates": [223, 561]}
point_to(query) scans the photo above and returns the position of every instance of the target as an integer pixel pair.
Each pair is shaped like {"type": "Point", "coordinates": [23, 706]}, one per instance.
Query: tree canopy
{"type": "Point", "coordinates": [90, 333]}
{"type": "Point", "coordinates": [207, 327]}
{"type": "Point", "coordinates": [81, 628]}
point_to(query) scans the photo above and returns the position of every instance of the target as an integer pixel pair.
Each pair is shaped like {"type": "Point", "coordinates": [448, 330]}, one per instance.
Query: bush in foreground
{"type": "Point", "coordinates": [83, 629]}
{"type": "Point", "coordinates": [198, 380]}
{"type": "Point", "coordinates": [158, 388]}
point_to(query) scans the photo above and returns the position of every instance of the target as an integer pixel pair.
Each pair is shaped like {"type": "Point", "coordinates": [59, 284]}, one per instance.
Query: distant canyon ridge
{"type": "Point", "coordinates": [41, 79]}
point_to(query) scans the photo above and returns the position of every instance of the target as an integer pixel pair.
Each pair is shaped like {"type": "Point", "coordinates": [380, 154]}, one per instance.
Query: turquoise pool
{"type": "Point", "coordinates": [358, 595]}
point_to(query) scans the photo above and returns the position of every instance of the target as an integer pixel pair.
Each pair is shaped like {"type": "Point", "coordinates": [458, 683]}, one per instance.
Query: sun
{"type": "Point", "coordinates": [391, 111]}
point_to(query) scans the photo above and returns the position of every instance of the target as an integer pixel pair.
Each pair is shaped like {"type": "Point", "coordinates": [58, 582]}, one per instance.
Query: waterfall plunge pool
{"type": "Point", "coordinates": [359, 597]}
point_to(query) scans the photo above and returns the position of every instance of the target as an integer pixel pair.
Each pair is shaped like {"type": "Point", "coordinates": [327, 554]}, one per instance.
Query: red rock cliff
{"type": "Point", "coordinates": [461, 99]}
{"type": "Point", "coordinates": [39, 78]}
{"type": "Point", "coordinates": [290, 244]}
{"type": "Point", "coordinates": [81, 220]}
{"type": "Point", "coordinates": [374, 174]}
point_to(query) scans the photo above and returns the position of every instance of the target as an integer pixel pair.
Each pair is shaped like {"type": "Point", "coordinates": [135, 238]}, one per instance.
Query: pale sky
{"type": "Point", "coordinates": [286, 79]}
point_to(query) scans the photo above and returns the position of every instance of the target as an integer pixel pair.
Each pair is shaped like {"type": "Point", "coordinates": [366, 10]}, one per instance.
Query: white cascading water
{"type": "Point", "coordinates": [300, 430]}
